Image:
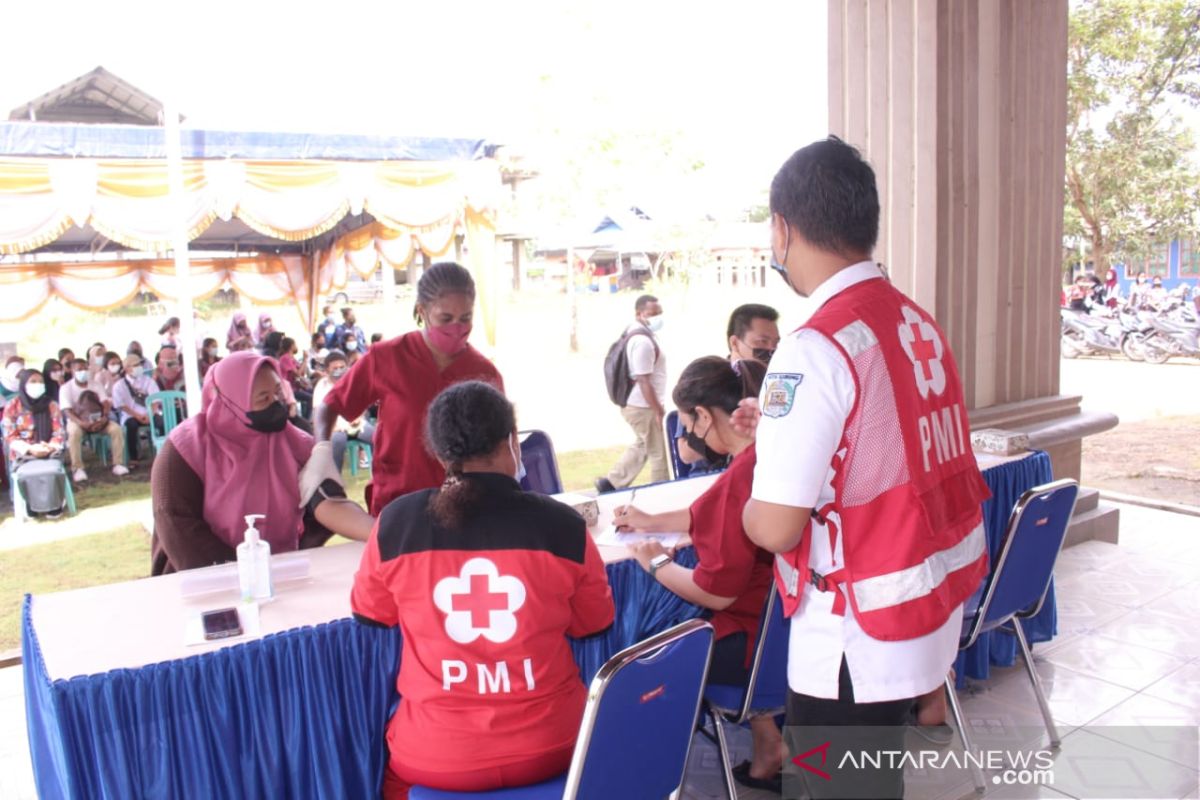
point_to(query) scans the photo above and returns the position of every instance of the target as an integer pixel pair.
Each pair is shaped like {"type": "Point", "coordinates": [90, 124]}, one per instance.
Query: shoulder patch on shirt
{"type": "Point", "coordinates": [779, 393]}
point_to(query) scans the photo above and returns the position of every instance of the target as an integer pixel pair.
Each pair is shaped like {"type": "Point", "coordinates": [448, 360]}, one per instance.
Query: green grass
{"type": "Point", "coordinates": [116, 555]}
{"type": "Point", "coordinates": [123, 553]}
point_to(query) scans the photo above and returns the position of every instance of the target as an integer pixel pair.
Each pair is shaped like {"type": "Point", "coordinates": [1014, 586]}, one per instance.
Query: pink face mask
{"type": "Point", "coordinates": [451, 338]}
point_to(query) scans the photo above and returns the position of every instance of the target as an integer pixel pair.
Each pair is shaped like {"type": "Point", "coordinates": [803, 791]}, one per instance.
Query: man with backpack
{"type": "Point", "coordinates": [635, 372]}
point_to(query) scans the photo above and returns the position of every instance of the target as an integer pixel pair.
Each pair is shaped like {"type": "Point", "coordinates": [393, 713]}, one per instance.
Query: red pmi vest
{"type": "Point", "coordinates": [907, 489]}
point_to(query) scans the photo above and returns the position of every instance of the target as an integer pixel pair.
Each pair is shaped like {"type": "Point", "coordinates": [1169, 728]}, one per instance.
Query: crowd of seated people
{"type": "Point", "coordinates": [98, 401]}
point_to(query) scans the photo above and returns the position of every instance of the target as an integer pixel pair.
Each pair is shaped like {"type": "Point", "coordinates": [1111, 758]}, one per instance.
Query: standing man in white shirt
{"type": "Point", "coordinates": [866, 486]}
{"type": "Point", "coordinates": [644, 409]}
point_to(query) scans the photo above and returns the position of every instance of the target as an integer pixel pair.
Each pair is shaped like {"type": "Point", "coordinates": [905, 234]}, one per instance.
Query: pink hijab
{"type": "Point", "coordinates": [261, 332]}
{"type": "Point", "coordinates": [244, 471]}
{"type": "Point", "coordinates": [238, 328]}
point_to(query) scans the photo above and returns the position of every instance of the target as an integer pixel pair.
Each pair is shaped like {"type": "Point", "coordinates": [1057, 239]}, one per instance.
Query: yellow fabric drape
{"type": "Point", "coordinates": [127, 200]}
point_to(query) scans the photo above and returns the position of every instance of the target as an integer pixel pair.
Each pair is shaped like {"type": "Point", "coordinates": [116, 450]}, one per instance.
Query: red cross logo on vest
{"type": "Point", "coordinates": [479, 601]}
{"type": "Point", "coordinates": [923, 346]}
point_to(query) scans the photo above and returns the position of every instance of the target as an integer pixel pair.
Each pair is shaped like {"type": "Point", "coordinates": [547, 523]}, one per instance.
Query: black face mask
{"type": "Point", "coordinates": [698, 445]}
{"type": "Point", "coordinates": [271, 419]}
{"type": "Point", "coordinates": [762, 354]}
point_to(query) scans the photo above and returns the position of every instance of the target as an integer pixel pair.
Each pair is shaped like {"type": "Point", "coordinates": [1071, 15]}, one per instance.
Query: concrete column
{"type": "Point", "coordinates": [961, 107]}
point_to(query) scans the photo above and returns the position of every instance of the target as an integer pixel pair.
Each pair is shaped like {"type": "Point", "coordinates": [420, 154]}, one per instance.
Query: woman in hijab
{"type": "Point", "coordinates": [34, 439]}
{"type": "Point", "coordinates": [52, 372]}
{"type": "Point", "coordinates": [240, 456]}
{"type": "Point", "coordinates": [238, 337]}
{"type": "Point", "coordinates": [265, 326]}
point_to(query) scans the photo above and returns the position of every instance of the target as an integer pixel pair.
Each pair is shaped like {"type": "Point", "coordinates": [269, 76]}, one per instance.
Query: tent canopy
{"type": "Point", "coordinates": [279, 216]}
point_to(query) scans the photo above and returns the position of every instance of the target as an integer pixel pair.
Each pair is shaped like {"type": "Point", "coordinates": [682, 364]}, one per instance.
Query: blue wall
{"type": "Point", "coordinates": [1170, 280]}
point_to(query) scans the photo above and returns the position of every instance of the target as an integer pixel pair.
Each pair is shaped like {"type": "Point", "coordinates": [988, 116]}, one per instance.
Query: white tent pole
{"type": "Point", "coordinates": [187, 326]}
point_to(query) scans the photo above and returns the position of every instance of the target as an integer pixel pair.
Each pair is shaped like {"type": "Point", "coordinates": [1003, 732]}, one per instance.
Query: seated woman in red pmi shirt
{"type": "Point", "coordinates": [486, 582]}
{"type": "Point", "coordinates": [733, 575]}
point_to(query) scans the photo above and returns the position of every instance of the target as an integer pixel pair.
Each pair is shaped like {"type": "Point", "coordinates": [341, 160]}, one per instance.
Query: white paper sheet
{"type": "Point", "coordinates": [611, 536]}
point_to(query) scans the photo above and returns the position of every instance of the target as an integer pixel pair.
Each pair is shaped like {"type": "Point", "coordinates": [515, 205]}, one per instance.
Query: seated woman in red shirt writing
{"type": "Point", "coordinates": [486, 583]}
{"type": "Point", "coordinates": [733, 575]}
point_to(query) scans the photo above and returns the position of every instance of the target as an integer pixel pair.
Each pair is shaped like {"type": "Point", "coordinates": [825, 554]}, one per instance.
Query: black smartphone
{"type": "Point", "coordinates": [221, 624]}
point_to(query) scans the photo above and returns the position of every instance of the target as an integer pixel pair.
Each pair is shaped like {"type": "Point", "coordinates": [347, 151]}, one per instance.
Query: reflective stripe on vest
{"type": "Point", "coordinates": [905, 585]}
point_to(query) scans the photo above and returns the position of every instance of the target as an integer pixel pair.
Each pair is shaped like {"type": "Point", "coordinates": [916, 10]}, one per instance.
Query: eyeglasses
{"type": "Point", "coordinates": [170, 364]}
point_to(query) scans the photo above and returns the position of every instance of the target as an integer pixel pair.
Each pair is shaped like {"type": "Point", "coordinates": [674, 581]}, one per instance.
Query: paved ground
{"type": "Point", "coordinates": [1155, 451]}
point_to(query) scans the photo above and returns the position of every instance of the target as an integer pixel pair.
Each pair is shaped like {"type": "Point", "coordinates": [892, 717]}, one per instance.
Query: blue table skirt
{"type": "Point", "coordinates": [296, 714]}
{"type": "Point", "coordinates": [303, 713]}
{"type": "Point", "coordinates": [1008, 482]}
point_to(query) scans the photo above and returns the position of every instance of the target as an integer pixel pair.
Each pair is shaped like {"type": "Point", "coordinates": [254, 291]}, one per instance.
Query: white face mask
{"type": "Point", "coordinates": [352, 345]}
{"type": "Point", "coordinates": [98, 361]}
{"type": "Point", "coordinates": [330, 329]}
{"type": "Point", "coordinates": [135, 372]}
{"type": "Point", "coordinates": [15, 368]}
{"type": "Point", "coordinates": [212, 351]}
{"type": "Point", "coordinates": [56, 376]}
{"type": "Point", "coordinates": [114, 368]}
{"type": "Point", "coordinates": [655, 323]}
{"type": "Point", "coordinates": [81, 375]}
{"type": "Point", "coordinates": [35, 390]}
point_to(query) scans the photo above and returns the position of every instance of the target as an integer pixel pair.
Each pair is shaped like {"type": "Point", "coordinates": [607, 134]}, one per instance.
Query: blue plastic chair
{"type": "Point", "coordinates": [765, 687]}
{"type": "Point", "coordinates": [679, 468]}
{"type": "Point", "coordinates": [1017, 587]}
{"type": "Point", "coordinates": [353, 448]}
{"type": "Point", "coordinates": [20, 511]}
{"type": "Point", "coordinates": [168, 406]}
{"type": "Point", "coordinates": [98, 443]}
{"type": "Point", "coordinates": [637, 726]}
{"type": "Point", "coordinates": [541, 466]}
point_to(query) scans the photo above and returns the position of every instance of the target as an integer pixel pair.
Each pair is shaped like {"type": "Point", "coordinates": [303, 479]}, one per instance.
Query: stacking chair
{"type": "Point", "coordinates": [765, 687]}
{"type": "Point", "coordinates": [637, 725]}
{"type": "Point", "coordinates": [172, 407]}
{"type": "Point", "coordinates": [541, 465]}
{"type": "Point", "coordinates": [353, 448]}
{"type": "Point", "coordinates": [20, 512]}
{"type": "Point", "coordinates": [1017, 586]}
{"type": "Point", "coordinates": [100, 444]}
{"type": "Point", "coordinates": [677, 467]}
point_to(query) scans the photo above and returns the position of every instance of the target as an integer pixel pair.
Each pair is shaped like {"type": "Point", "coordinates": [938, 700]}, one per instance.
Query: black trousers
{"type": "Point", "coordinates": [873, 728]}
{"type": "Point", "coordinates": [132, 426]}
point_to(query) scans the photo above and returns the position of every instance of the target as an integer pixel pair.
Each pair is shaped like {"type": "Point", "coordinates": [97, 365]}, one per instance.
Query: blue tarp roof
{"type": "Point", "coordinates": [140, 141]}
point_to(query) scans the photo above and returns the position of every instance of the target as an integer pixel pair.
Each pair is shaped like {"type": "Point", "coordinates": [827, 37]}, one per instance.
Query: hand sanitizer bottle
{"type": "Point", "coordinates": [254, 564]}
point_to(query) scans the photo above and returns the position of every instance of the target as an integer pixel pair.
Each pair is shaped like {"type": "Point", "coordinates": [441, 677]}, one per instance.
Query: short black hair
{"type": "Point", "coordinates": [640, 304]}
{"type": "Point", "coordinates": [826, 191]}
{"type": "Point", "coordinates": [333, 355]}
{"type": "Point", "coordinates": [158, 355]}
{"type": "Point", "coordinates": [443, 278]}
{"type": "Point", "coordinates": [744, 315]}
{"type": "Point", "coordinates": [65, 351]}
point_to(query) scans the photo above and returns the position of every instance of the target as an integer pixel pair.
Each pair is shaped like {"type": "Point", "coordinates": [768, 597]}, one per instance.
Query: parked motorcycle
{"type": "Point", "coordinates": [1175, 335]}
{"type": "Point", "coordinates": [1084, 334]}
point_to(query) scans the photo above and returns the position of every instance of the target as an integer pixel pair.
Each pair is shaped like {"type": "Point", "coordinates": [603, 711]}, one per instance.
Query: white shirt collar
{"type": "Point", "coordinates": [838, 283]}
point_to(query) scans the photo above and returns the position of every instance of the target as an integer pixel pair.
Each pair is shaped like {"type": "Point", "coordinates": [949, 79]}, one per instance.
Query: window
{"type": "Point", "coordinates": [1158, 261]}
{"type": "Point", "coordinates": [1189, 258]}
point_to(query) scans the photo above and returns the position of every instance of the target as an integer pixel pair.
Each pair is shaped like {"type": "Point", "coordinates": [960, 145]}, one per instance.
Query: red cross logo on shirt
{"type": "Point", "coordinates": [479, 601]}
{"type": "Point", "coordinates": [923, 346]}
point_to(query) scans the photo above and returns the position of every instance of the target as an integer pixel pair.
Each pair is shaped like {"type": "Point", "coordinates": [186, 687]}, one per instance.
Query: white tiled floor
{"type": "Point", "coordinates": [1128, 653]}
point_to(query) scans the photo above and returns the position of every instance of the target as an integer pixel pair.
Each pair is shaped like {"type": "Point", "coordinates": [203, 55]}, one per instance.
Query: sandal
{"type": "Point", "coordinates": [741, 774]}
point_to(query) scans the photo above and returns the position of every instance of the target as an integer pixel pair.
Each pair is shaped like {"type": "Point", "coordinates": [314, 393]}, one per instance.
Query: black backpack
{"type": "Point", "coordinates": [616, 367]}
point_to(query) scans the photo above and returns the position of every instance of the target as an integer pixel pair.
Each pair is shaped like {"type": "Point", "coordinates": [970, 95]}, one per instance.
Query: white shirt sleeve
{"type": "Point", "coordinates": [806, 398]}
{"type": "Point", "coordinates": [66, 396]}
{"type": "Point", "coordinates": [639, 352]}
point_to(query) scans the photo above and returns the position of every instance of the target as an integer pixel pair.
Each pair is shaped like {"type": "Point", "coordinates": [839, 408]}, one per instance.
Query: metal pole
{"type": "Point", "coordinates": [187, 327]}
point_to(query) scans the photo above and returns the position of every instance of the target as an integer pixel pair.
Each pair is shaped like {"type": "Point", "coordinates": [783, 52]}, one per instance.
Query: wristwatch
{"type": "Point", "coordinates": [657, 563]}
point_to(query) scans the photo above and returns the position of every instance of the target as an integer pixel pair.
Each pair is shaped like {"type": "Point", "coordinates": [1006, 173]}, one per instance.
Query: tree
{"type": "Point", "coordinates": [1131, 178]}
